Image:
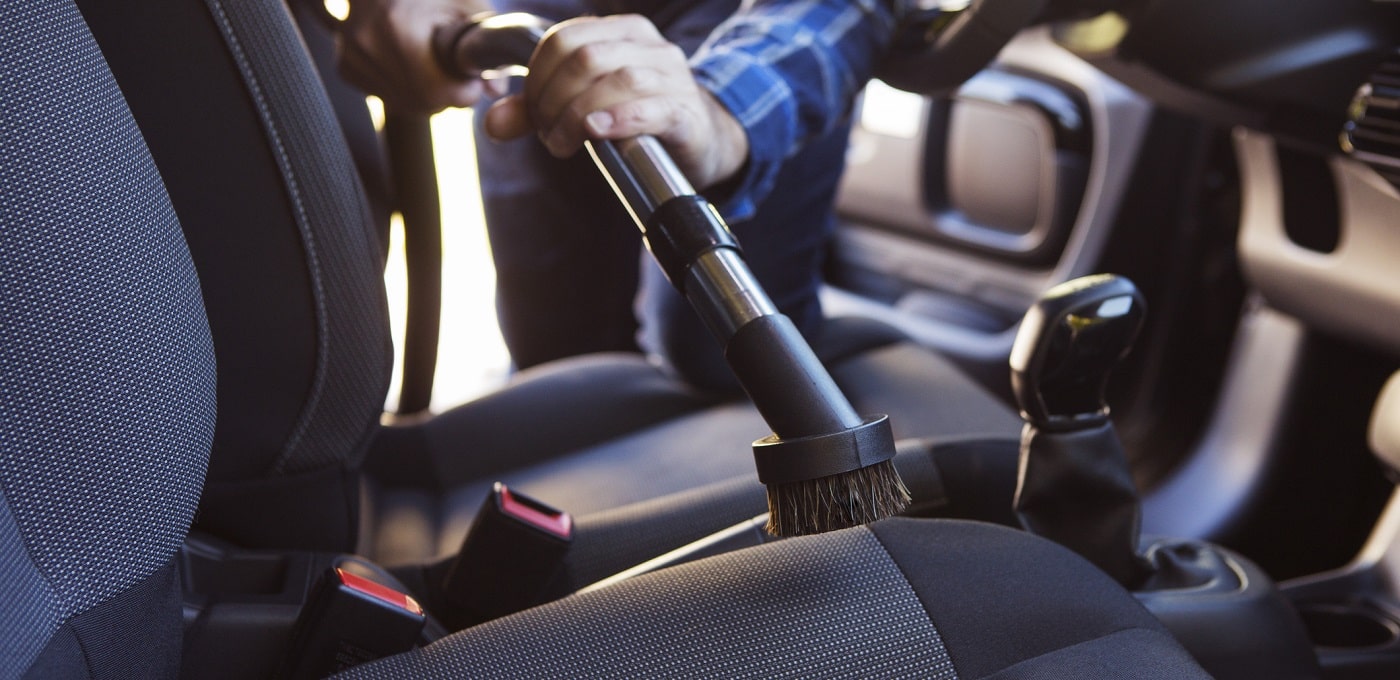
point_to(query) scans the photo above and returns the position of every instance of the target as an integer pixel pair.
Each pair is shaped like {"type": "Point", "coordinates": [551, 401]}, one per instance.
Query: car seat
{"type": "Point", "coordinates": [290, 259]}
{"type": "Point", "coordinates": [107, 415]}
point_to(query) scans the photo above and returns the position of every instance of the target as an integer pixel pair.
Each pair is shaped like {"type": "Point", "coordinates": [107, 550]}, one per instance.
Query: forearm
{"type": "Point", "coordinates": [788, 70]}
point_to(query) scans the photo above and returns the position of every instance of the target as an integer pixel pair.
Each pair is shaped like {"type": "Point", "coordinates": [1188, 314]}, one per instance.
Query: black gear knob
{"type": "Point", "coordinates": [1069, 342]}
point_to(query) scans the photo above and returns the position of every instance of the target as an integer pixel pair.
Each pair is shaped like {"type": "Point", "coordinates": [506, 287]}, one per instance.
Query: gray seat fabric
{"type": "Point", "coordinates": [240, 129]}
{"type": "Point", "coordinates": [923, 393]}
{"type": "Point", "coordinates": [107, 409]}
{"type": "Point", "coordinates": [278, 273]}
{"type": "Point", "coordinates": [900, 599]}
{"type": "Point", "coordinates": [692, 444]}
{"type": "Point", "coordinates": [106, 368]}
{"type": "Point", "coordinates": [288, 259]}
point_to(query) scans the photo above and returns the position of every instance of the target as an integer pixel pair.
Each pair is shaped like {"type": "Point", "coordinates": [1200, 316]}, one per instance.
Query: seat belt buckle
{"type": "Point", "coordinates": [509, 559]}
{"type": "Point", "coordinates": [348, 620]}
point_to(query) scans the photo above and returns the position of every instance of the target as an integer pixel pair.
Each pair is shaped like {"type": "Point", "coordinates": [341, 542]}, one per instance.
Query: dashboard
{"type": "Point", "coordinates": [988, 196]}
{"type": "Point", "coordinates": [1298, 70]}
{"type": "Point", "coordinates": [1312, 90]}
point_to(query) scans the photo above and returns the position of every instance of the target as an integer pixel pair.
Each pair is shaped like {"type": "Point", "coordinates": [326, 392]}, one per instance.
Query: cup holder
{"type": "Point", "coordinates": [1344, 626]}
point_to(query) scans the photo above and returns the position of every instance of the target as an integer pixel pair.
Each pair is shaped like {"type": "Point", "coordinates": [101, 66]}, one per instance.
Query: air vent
{"type": "Point", "coordinates": [1372, 131]}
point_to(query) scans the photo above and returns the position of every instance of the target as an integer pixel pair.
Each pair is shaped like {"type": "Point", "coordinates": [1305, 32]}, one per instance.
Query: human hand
{"type": "Point", "coordinates": [617, 77]}
{"type": "Point", "coordinates": [384, 47]}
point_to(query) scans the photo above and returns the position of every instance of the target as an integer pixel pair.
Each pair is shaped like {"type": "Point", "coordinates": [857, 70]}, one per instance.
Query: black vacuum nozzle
{"type": "Point", "coordinates": [1069, 342]}
{"type": "Point", "coordinates": [826, 468]}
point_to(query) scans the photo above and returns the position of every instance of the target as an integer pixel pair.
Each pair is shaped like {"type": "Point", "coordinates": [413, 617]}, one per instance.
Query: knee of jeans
{"type": "Point", "coordinates": [687, 349]}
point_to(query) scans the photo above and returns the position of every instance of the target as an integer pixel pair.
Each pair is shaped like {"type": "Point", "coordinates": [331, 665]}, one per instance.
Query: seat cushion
{"type": "Point", "coordinates": [902, 598]}
{"type": "Point", "coordinates": [923, 393]}
{"type": "Point", "coordinates": [596, 433]}
{"type": "Point", "coordinates": [684, 453]}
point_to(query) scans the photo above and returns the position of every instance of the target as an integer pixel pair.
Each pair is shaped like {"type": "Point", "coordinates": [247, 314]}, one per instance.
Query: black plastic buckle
{"type": "Point", "coordinates": [508, 560]}
{"type": "Point", "coordinates": [348, 620]}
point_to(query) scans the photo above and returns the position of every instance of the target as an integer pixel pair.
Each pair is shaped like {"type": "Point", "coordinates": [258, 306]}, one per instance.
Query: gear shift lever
{"type": "Point", "coordinates": [1068, 343]}
{"type": "Point", "coordinates": [1074, 486]}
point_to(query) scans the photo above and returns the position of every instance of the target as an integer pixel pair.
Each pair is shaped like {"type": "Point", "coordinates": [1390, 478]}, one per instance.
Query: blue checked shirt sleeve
{"type": "Point", "coordinates": [788, 70]}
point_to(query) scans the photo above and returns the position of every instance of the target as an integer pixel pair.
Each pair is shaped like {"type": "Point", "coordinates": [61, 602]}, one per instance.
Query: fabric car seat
{"type": "Point", "coordinates": [290, 258]}
{"type": "Point", "coordinates": [106, 369]}
{"type": "Point", "coordinates": [902, 598]}
{"type": "Point", "coordinates": [107, 415]}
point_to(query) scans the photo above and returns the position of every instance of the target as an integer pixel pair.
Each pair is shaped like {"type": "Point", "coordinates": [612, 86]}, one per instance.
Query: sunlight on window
{"type": "Point", "coordinates": [891, 112]}
{"type": "Point", "coordinates": [340, 9]}
{"type": "Point", "coordinates": [376, 111]}
{"type": "Point", "coordinates": [472, 358]}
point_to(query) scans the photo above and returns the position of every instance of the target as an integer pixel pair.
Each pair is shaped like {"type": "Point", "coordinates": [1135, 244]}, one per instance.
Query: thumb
{"type": "Point", "coordinates": [508, 119]}
{"type": "Point", "coordinates": [464, 94]}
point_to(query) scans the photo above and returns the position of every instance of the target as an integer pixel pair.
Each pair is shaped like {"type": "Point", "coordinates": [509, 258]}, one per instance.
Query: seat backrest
{"type": "Point", "coordinates": [288, 255]}
{"type": "Point", "coordinates": [107, 378]}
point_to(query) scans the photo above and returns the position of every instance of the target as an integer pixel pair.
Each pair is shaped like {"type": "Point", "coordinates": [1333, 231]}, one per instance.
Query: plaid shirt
{"type": "Point", "coordinates": [789, 70]}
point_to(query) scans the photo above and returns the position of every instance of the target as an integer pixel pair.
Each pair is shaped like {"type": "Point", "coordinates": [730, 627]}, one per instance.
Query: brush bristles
{"type": "Point", "coordinates": [836, 502]}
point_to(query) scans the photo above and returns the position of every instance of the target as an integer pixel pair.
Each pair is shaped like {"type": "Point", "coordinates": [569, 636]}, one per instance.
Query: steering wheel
{"type": "Point", "coordinates": [940, 44]}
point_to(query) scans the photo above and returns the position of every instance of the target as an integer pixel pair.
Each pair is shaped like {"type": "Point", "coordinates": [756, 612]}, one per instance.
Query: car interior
{"type": "Point", "coordinates": [1120, 274]}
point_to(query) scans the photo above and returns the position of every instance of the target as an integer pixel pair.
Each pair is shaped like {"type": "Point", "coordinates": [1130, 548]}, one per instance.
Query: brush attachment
{"type": "Point", "coordinates": [825, 466]}
{"type": "Point", "coordinates": [829, 482]}
{"type": "Point", "coordinates": [837, 501]}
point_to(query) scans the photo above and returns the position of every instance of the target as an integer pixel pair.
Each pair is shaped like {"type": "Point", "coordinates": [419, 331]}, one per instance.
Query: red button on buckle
{"type": "Point", "coordinates": [537, 515]}
{"type": "Point", "coordinates": [378, 591]}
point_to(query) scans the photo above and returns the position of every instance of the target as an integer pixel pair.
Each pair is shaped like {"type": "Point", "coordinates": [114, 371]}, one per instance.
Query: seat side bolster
{"type": "Point", "coordinates": [1000, 597]}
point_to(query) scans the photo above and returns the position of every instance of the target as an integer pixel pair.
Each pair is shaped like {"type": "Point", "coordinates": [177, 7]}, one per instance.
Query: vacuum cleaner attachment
{"type": "Point", "coordinates": [825, 466]}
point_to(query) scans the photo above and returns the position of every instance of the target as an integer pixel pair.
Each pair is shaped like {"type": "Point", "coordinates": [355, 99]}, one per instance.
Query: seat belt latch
{"type": "Point", "coordinates": [348, 620]}
{"type": "Point", "coordinates": [509, 559]}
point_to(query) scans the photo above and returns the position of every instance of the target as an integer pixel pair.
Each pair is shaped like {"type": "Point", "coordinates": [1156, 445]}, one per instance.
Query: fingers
{"type": "Point", "coordinates": [551, 90]}
{"type": "Point", "coordinates": [563, 41]}
{"type": "Point", "coordinates": [384, 48]}
{"type": "Point", "coordinates": [605, 68]}
{"type": "Point", "coordinates": [508, 118]}
{"type": "Point", "coordinates": [657, 116]}
{"type": "Point", "coordinates": [627, 102]}
{"type": "Point", "coordinates": [613, 78]}
{"type": "Point", "coordinates": [371, 75]}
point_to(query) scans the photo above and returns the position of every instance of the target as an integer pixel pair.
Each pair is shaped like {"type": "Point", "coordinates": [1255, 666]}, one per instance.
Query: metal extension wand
{"type": "Point", "coordinates": [825, 466]}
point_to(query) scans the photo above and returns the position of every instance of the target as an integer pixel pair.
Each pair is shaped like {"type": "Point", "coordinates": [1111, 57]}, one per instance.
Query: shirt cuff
{"type": "Point", "coordinates": [760, 99]}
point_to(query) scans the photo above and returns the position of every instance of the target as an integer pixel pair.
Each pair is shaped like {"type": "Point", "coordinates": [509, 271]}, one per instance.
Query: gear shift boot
{"type": "Point", "coordinates": [1074, 486]}
{"type": "Point", "coordinates": [1074, 489]}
